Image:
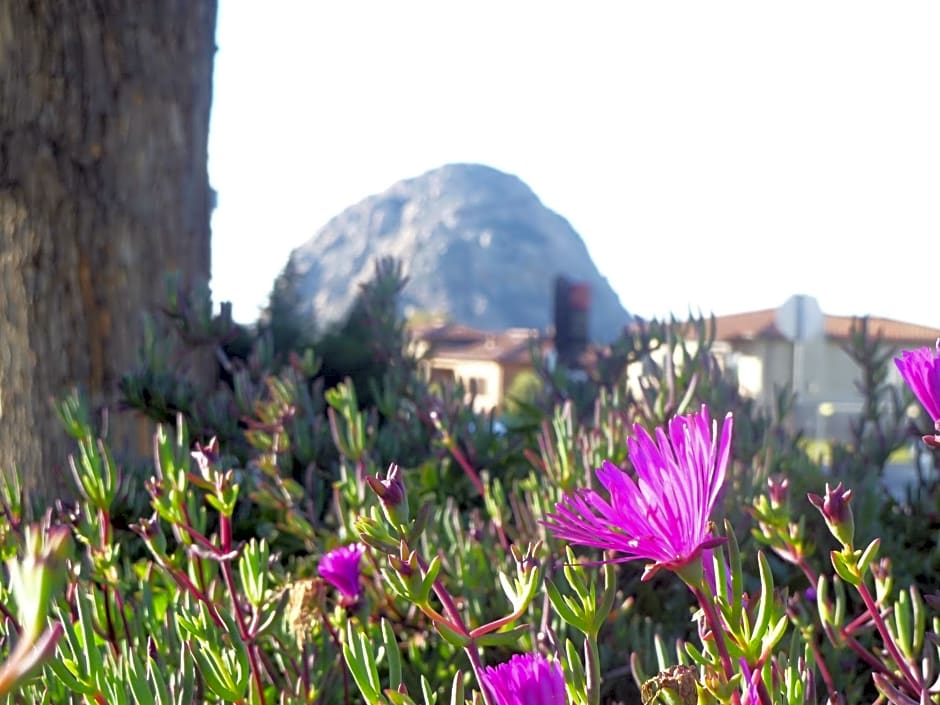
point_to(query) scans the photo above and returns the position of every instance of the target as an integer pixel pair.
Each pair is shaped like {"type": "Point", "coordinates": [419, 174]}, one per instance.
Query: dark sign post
{"type": "Point", "coordinates": [572, 306]}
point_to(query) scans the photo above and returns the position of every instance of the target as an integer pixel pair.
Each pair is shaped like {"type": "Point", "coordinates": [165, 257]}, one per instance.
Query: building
{"type": "Point", "coordinates": [767, 349]}
{"type": "Point", "coordinates": [818, 368]}
{"type": "Point", "coordinates": [486, 363]}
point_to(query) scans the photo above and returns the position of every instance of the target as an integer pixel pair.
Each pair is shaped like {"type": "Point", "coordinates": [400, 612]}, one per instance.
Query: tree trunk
{"type": "Point", "coordinates": [104, 190]}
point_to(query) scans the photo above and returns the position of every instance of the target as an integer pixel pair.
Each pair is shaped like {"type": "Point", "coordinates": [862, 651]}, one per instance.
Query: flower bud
{"type": "Point", "coordinates": [884, 580]}
{"type": "Point", "coordinates": [37, 577]}
{"type": "Point", "coordinates": [147, 529]}
{"type": "Point", "coordinates": [778, 487]}
{"type": "Point", "coordinates": [391, 491]}
{"type": "Point", "coordinates": [206, 456]}
{"type": "Point", "coordinates": [837, 512]}
{"type": "Point", "coordinates": [933, 440]}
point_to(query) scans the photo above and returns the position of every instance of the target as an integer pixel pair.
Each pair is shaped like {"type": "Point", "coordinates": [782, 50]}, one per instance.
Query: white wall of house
{"type": "Point", "coordinates": [485, 376]}
{"type": "Point", "coordinates": [820, 372]}
{"type": "Point", "coordinates": [824, 379]}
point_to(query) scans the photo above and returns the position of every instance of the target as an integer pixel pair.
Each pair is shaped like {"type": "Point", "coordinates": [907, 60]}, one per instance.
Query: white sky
{"type": "Point", "coordinates": [719, 155]}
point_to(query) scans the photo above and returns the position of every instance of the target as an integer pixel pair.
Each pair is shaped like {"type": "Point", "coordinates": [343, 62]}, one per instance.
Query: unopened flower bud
{"type": "Point", "coordinates": [406, 563]}
{"type": "Point", "coordinates": [149, 531]}
{"type": "Point", "coordinates": [37, 577]}
{"type": "Point", "coordinates": [391, 491]}
{"type": "Point", "coordinates": [933, 440]}
{"type": "Point", "coordinates": [528, 561]}
{"type": "Point", "coordinates": [836, 511]}
{"type": "Point", "coordinates": [207, 454]}
{"type": "Point", "coordinates": [401, 567]}
{"type": "Point", "coordinates": [778, 487]}
{"type": "Point", "coordinates": [154, 487]}
{"type": "Point", "coordinates": [884, 580]}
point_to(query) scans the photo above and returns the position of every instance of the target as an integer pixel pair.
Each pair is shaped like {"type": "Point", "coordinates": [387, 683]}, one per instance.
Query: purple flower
{"type": "Point", "coordinates": [526, 678]}
{"type": "Point", "coordinates": [340, 568]}
{"type": "Point", "coordinates": [921, 370]}
{"type": "Point", "coordinates": [663, 517]}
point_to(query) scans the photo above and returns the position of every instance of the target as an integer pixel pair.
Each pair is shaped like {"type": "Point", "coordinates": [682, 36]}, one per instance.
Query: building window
{"type": "Point", "coordinates": [477, 386]}
{"type": "Point", "coordinates": [441, 377]}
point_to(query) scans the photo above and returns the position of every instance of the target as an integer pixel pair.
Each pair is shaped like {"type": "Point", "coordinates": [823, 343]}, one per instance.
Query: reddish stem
{"type": "Point", "coordinates": [711, 616]}
{"type": "Point", "coordinates": [823, 670]}
{"type": "Point", "coordinates": [808, 572]}
{"type": "Point", "coordinates": [183, 581]}
{"type": "Point", "coordinates": [857, 623]}
{"type": "Point", "coordinates": [462, 461]}
{"type": "Point", "coordinates": [869, 659]}
{"type": "Point", "coordinates": [450, 608]}
{"type": "Point", "coordinates": [111, 633]}
{"type": "Point", "coordinates": [225, 545]}
{"type": "Point", "coordinates": [119, 602]}
{"type": "Point", "coordinates": [199, 538]}
{"type": "Point", "coordinates": [896, 655]}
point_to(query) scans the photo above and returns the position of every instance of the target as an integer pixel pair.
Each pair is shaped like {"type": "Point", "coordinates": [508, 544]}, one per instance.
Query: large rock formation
{"type": "Point", "coordinates": [477, 245]}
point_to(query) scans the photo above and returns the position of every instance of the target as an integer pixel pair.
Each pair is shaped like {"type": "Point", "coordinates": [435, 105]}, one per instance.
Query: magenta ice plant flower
{"type": "Point", "coordinates": [340, 568]}
{"type": "Point", "coordinates": [921, 370]}
{"type": "Point", "coordinates": [664, 515]}
{"type": "Point", "coordinates": [525, 678]}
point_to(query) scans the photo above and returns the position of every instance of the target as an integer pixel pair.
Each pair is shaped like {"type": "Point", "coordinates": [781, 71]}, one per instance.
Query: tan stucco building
{"type": "Point", "coordinates": [485, 362]}
{"type": "Point", "coordinates": [819, 370]}
{"type": "Point", "coordinates": [751, 344]}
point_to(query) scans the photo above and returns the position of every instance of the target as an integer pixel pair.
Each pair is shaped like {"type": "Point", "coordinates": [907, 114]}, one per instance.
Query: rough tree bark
{"type": "Point", "coordinates": [104, 120]}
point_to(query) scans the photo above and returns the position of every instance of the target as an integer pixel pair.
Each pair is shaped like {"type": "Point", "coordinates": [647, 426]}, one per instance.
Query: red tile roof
{"type": "Point", "coordinates": [464, 343]}
{"type": "Point", "coordinates": [762, 324]}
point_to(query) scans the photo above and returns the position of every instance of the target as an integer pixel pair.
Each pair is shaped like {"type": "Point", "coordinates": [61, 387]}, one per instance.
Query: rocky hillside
{"type": "Point", "coordinates": [476, 244]}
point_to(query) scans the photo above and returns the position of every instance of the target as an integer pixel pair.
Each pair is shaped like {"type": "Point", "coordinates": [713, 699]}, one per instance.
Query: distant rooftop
{"type": "Point", "coordinates": [461, 342]}
{"type": "Point", "coordinates": [513, 346]}
{"type": "Point", "coordinates": [762, 324]}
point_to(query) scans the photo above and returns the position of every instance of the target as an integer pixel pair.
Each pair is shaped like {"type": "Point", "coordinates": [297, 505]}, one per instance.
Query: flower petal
{"type": "Point", "coordinates": [663, 515]}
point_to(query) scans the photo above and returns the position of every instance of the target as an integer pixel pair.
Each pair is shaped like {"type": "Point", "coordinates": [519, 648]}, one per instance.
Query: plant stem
{"type": "Point", "coordinates": [714, 624]}
{"type": "Point", "coordinates": [592, 660]}
{"type": "Point", "coordinates": [808, 572]}
{"type": "Point", "coordinates": [871, 660]}
{"type": "Point", "coordinates": [109, 623]}
{"type": "Point", "coordinates": [225, 545]}
{"type": "Point", "coordinates": [464, 463]}
{"type": "Point", "coordinates": [896, 655]}
{"type": "Point", "coordinates": [450, 609]}
{"type": "Point", "coordinates": [823, 669]}
{"type": "Point", "coordinates": [761, 688]}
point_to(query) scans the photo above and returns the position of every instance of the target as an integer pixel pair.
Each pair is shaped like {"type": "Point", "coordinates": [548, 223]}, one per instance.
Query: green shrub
{"type": "Point", "coordinates": [202, 576]}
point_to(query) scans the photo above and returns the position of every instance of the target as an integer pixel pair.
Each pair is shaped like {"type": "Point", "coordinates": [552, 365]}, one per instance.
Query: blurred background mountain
{"type": "Point", "coordinates": [477, 245]}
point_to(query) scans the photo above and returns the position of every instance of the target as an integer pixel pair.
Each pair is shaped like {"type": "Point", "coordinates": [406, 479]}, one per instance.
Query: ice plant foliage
{"type": "Point", "coordinates": [663, 516]}
{"type": "Point", "coordinates": [340, 568]}
{"type": "Point", "coordinates": [526, 678]}
{"type": "Point", "coordinates": [455, 578]}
